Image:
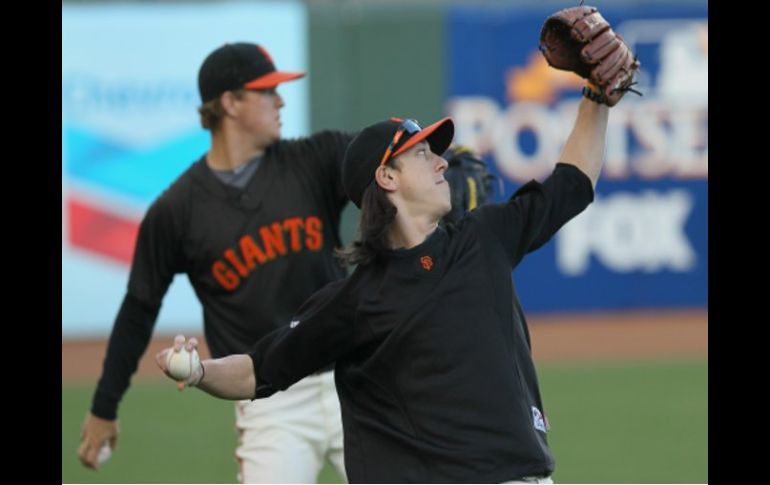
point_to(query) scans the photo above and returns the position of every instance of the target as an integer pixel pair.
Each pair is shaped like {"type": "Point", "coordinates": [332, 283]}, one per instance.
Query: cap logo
{"type": "Point", "coordinates": [426, 262]}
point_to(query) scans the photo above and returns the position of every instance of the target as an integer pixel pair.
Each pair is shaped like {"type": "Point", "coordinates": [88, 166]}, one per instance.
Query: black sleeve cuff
{"type": "Point", "coordinates": [105, 406]}
{"type": "Point", "coordinates": [579, 176]}
{"type": "Point", "coordinates": [263, 389]}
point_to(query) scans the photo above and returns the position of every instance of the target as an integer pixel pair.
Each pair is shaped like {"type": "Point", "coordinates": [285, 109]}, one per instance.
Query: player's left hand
{"type": "Point", "coordinates": [94, 432]}
{"type": "Point", "coordinates": [580, 40]}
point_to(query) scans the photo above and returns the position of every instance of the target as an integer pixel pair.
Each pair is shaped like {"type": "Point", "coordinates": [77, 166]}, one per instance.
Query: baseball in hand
{"type": "Point", "coordinates": [104, 454]}
{"type": "Point", "coordinates": [181, 364]}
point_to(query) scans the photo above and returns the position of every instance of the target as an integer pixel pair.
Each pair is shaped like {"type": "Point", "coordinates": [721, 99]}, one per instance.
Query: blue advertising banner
{"type": "Point", "coordinates": [643, 243]}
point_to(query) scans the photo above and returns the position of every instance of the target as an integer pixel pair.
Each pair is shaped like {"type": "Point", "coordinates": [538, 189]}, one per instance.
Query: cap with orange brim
{"type": "Point", "coordinates": [239, 65]}
{"type": "Point", "coordinates": [369, 149]}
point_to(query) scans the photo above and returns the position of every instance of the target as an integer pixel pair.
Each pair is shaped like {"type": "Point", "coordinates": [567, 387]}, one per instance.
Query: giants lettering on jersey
{"type": "Point", "coordinates": [277, 239]}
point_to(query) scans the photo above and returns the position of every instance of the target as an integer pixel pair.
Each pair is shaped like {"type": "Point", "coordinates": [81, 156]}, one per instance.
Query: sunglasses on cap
{"type": "Point", "coordinates": [407, 125]}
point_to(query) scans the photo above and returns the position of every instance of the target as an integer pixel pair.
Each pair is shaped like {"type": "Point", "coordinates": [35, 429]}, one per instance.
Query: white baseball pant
{"type": "Point", "coordinates": [287, 437]}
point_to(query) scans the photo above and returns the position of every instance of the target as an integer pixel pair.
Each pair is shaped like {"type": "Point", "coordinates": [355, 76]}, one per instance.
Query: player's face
{"type": "Point", "coordinates": [421, 181]}
{"type": "Point", "coordinates": [260, 115]}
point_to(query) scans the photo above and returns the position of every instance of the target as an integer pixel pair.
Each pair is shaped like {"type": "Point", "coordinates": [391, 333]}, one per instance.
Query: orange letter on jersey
{"type": "Point", "coordinates": [272, 238]}
{"type": "Point", "coordinates": [293, 224]}
{"type": "Point", "coordinates": [224, 275]}
{"type": "Point", "coordinates": [314, 237]}
{"type": "Point", "coordinates": [233, 258]}
{"type": "Point", "coordinates": [251, 252]}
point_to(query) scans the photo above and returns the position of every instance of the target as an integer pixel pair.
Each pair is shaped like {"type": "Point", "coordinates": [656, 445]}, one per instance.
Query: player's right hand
{"type": "Point", "coordinates": [94, 432]}
{"type": "Point", "coordinates": [161, 358]}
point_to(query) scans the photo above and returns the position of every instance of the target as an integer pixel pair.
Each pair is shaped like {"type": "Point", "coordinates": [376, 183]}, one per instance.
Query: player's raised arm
{"type": "Point", "coordinates": [585, 145]}
{"type": "Point", "coordinates": [580, 40]}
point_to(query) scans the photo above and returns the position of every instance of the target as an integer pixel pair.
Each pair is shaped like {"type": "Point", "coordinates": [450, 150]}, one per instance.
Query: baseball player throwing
{"type": "Point", "coordinates": [432, 352]}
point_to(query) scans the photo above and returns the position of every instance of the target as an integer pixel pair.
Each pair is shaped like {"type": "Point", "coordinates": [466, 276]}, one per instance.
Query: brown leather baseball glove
{"type": "Point", "coordinates": [578, 39]}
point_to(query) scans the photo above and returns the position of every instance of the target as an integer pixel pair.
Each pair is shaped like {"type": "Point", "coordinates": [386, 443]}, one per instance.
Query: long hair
{"type": "Point", "coordinates": [377, 215]}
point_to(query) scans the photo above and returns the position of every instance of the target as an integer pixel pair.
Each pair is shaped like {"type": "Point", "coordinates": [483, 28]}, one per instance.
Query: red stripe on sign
{"type": "Point", "coordinates": [98, 231]}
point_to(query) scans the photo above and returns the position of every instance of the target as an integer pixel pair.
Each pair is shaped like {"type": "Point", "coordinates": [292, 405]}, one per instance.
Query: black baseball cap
{"type": "Point", "coordinates": [239, 65]}
{"type": "Point", "coordinates": [366, 150]}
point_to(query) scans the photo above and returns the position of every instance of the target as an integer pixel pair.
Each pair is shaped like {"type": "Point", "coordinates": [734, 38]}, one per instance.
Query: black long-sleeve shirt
{"type": "Point", "coordinates": [253, 255]}
{"type": "Point", "coordinates": [433, 361]}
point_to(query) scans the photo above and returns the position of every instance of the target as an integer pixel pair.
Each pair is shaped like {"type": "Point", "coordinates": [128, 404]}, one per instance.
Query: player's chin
{"type": "Point", "coordinates": [273, 136]}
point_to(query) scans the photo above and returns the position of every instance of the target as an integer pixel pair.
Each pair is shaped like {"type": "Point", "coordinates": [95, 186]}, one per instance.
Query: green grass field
{"type": "Point", "coordinates": [610, 423]}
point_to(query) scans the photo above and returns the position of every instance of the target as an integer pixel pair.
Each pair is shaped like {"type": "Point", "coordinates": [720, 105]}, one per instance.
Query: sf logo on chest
{"type": "Point", "coordinates": [426, 262]}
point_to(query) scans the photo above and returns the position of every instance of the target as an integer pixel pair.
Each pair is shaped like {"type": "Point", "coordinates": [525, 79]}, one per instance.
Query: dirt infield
{"type": "Point", "coordinates": [555, 338]}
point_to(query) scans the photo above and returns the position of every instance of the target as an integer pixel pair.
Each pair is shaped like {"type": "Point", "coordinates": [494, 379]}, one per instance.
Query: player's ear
{"type": "Point", "coordinates": [386, 178]}
{"type": "Point", "coordinates": [228, 99]}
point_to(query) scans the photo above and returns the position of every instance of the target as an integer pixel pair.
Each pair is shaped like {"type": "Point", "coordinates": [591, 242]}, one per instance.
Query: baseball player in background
{"type": "Point", "coordinates": [253, 224]}
{"type": "Point", "coordinates": [431, 348]}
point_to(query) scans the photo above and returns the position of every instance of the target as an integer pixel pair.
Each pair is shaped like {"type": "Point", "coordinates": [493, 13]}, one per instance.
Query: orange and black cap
{"type": "Point", "coordinates": [240, 65]}
{"type": "Point", "coordinates": [366, 151]}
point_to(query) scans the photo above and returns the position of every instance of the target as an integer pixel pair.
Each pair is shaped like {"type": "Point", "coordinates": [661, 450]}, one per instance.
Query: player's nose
{"type": "Point", "coordinates": [441, 163]}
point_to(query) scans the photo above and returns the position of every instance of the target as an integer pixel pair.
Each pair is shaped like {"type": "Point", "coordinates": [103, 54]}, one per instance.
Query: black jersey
{"type": "Point", "coordinates": [252, 255]}
{"type": "Point", "coordinates": [433, 360]}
